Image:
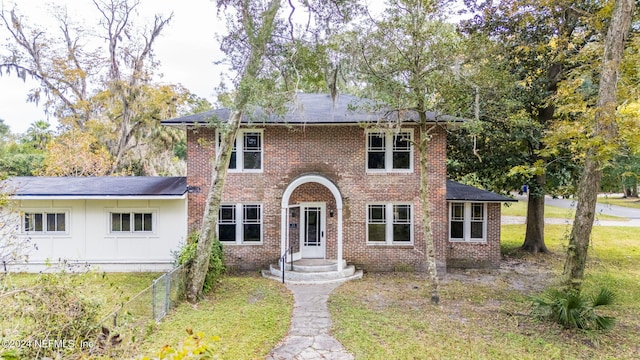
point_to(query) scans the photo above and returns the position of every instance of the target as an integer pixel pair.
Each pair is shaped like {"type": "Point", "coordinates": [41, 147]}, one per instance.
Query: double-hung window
{"type": "Point", "coordinates": [44, 222]}
{"type": "Point", "coordinates": [467, 221]}
{"type": "Point", "coordinates": [131, 222]}
{"type": "Point", "coordinates": [240, 223]}
{"type": "Point", "coordinates": [390, 151]}
{"type": "Point", "coordinates": [247, 153]}
{"type": "Point", "coordinates": [389, 224]}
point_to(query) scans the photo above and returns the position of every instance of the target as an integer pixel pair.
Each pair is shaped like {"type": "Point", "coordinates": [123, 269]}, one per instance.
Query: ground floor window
{"type": "Point", "coordinates": [389, 224]}
{"type": "Point", "coordinates": [44, 222]}
{"type": "Point", "coordinates": [467, 221]}
{"type": "Point", "coordinates": [123, 222]}
{"type": "Point", "coordinates": [240, 223]}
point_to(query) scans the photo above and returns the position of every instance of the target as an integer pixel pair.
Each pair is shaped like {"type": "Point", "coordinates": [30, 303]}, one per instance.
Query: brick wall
{"type": "Point", "coordinates": [479, 255]}
{"type": "Point", "coordinates": [337, 153]}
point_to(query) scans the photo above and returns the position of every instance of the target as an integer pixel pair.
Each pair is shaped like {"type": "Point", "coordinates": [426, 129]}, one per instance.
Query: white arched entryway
{"type": "Point", "coordinates": [284, 218]}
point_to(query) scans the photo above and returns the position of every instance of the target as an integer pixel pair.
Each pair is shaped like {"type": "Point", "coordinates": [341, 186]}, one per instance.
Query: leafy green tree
{"type": "Point", "coordinates": [604, 130]}
{"type": "Point", "coordinates": [38, 134]}
{"type": "Point", "coordinates": [407, 62]}
{"type": "Point", "coordinates": [19, 155]}
{"type": "Point", "coordinates": [254, 46]}
{"type": "Point", "coordinates": [539, 42]}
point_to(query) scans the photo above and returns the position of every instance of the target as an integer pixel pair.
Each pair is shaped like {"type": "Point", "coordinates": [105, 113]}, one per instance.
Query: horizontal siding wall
{"type": "Point", "coordinates": [89, 240]}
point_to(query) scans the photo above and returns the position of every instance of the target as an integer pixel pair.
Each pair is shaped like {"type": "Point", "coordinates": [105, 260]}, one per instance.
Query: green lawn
{"type": "Point", "coordinates": [107, 289]}
{"type": "Point", "coordinates": [485, 314]}
{"type": "Point", "coordinates": [628, 202]}
{"type": "Point", "coordinates": [248, 313]}
{"type": "Point", "coordinates": [520, 209]}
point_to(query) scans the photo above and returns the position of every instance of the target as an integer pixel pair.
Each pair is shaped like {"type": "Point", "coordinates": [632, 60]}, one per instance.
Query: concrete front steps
{"type": "Point", "coordinates": [313, 271]}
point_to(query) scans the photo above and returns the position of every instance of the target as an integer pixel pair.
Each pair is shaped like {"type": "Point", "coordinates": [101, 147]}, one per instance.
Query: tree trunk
{"type": "Point", "coordinates": [257, 40]}
{"type": "Point", "coordinates": [625, 191]}
{"type": "Point", "coordinates": [208, 232]}
{"type": "Point", "coordinates": [605, 128]}
{"type": "Point", "coordinates": [534, 238]}
{"type": "Point", "coordinates": [426, 213]}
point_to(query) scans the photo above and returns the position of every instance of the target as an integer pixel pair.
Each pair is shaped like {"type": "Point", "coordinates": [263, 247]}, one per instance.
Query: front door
{"type": "Point", "coordinates": [312, 230]}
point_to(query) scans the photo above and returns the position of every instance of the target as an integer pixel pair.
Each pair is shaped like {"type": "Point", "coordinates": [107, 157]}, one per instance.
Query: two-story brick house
{"type": "Point", "coordinates": [330, 182]}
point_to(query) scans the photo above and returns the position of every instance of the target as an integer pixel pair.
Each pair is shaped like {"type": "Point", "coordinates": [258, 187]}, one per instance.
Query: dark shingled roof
{"type": "Point", "coordinates": [462, 192]}
{"type": "Point", "coordinates": [309, 109]}
{"type": "Point", "coordinates": [98, 186]}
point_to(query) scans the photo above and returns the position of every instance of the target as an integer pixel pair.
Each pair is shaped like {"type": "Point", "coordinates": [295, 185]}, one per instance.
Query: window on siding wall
{"type": "Point", "coordinates": [250, 149]}
{"type": "Point", "coordinates": [389, 224]}
{"type": "Point", "coordinates": [389, 152]}
{"type": "Point", "coordinates": [122, 222]}
{"type": "Point", "coordinates": [240, 223]}
{"type": "Point", "coordinates": [44, 222]}
{"type": "Point", "coordinates": [467, 222]}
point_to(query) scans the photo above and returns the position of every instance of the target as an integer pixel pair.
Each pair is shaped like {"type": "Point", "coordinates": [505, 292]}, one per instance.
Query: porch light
{"type": "Point", "coordinates": [330, 212]}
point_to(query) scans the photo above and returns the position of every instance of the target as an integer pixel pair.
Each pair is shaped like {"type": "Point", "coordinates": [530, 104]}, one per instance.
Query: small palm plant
{"type": "Point", "coordinates": [572, 309]}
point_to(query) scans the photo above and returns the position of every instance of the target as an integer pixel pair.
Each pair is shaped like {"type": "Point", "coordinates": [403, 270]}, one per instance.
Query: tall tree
{"type": "Point", "coordinates": [259, 27]}
{"type": "Point", "coordinates": [256, 47]}
{"type": "Point", "coordinates": [539, 39]}
{"type": "Point", "coordinates": [88, 87]}
{"type": "Point", "coordinates": [407, 61]}
{"type": "Point", "coordinates": [604, 129]}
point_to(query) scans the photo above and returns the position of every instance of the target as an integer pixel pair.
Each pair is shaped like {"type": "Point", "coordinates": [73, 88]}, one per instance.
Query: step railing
{"type": "Point", "coordinates": [283, 261]}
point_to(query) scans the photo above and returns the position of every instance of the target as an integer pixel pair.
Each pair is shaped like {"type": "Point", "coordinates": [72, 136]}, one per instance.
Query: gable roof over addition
{"type": "Point", "coordinates": [310, 109]}
{"type": "Point", "coordinates": [461, 192]}
{"type": "Point", "coordinates": [101, 187]}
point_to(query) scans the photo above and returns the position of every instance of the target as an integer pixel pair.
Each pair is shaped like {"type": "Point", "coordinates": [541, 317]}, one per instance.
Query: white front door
{"type": "Point", "coordinates": [312, 230]}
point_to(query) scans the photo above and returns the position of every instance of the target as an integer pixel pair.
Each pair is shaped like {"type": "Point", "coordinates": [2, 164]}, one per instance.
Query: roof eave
{"type": "Point", "coordinates": [99, 197]}
{"type": "Point", "coordinates": [485, 201]}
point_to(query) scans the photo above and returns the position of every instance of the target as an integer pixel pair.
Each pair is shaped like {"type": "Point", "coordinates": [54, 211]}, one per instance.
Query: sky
{"type": "Point", "coordinates": [186, 50]}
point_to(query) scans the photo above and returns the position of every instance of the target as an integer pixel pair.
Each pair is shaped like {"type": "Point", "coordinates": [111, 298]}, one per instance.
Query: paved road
{"type": "Point", "coordinates": [620, 211]}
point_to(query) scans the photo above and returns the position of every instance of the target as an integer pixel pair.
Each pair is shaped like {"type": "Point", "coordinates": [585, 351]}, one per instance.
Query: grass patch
{"type": "Point", "coordinates": [520, 209]}
{"type": "Point", "coordinates": [248, 313]}
{"type": "Point", "coordinates": [485, 314]}
{"type": "Point", "coordinates": [108, 289]}
{"type": "Point", "coordinates": [618, 201]}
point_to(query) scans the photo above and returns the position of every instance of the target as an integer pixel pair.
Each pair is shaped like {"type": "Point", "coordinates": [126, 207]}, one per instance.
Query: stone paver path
{"type": "Point", "coordinates": [308, 336]}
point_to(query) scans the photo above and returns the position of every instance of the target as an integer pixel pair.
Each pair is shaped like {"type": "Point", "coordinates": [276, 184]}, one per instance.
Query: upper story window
{"type": "Point", "coordinates": [247, 153]}
{"type": "Point", "coordinates": [240, 223]}
{"type": "Point", "coordinates": [390, 151]}
{"type": "Point", "coordinates": [468, 222]}
{"type": "Point", "coordinates": [389, 224]}
{"type": "Point", "coordinates": [131, 222]}
{"type": "Point", "coordinates": [44, 222]}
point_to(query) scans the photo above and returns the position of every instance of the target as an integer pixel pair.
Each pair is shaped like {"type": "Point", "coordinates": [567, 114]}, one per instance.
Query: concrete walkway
{"type": "Point", "coordinates": [308, 336]}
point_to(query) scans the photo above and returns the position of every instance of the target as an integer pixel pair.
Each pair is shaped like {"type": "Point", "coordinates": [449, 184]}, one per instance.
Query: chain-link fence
{"type": "Point", "coordinates": [136, 317]}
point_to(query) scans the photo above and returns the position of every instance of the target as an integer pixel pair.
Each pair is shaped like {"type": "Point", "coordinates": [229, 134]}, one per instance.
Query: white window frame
{"type": "Point", "coordinates": [467, 219]}
{"type": "Point", "coordinates": [389, 222]}
{"type": "Point", "coordinates": [239, 218]}
{"type": "Point", "coordinates": [388, 151]}
{"type": "Point", "coordinates": [44, 213]}
{"type": "Point", "coordinates": [239, 150]}
{"type": "Point", "coordinates": [132, 213]}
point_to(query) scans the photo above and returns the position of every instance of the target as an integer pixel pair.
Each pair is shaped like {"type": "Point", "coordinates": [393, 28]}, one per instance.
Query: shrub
{"type": "Point", "coordinates": [52, 318]}
{"type": "Point", "coordinates": [572, 309]}
{"type": "Point", "coordinates": [216, 264]}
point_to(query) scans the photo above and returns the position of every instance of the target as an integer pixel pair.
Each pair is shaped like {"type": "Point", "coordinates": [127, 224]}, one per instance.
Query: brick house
{"type": "Point", "coordinates": [326, 181]}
